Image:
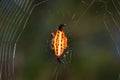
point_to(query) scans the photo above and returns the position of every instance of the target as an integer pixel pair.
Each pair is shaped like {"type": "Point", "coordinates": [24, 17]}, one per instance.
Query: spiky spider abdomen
{"type": "Point", "coordinates": [59, 42]}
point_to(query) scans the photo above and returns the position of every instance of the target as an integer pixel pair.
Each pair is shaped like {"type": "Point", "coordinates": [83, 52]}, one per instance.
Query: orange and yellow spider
{"type": "Point", "coordinates": [59, 42]}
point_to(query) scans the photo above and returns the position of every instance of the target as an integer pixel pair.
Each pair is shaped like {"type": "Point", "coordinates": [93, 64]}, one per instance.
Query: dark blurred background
{"type": "Point", "coordinates": [94, 51]}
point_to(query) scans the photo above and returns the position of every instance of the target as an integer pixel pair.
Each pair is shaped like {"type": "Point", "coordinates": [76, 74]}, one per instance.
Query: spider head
{"type": "Point", "coordinates": [61, 26]}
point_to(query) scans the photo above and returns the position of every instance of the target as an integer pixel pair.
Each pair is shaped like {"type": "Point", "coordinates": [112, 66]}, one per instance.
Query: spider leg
{"type": "Point", "coordinates": [52, 47]}
{"type": "Point", "coordinates": [53, 35]}
{"type": "Point", "coordinates": [68, 54]}
{"type": "Point", "coordinates": [60, 60]}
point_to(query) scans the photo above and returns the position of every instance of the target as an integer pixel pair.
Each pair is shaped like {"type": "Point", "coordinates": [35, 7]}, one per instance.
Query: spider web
{"type": "Point", "coordinates": [14, 15]}
{"type": "Point", "coordinates": [111, 21]}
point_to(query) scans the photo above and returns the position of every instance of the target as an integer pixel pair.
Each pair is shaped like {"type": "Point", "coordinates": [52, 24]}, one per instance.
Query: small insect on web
{"type": "Point", "coordinates": [60, 43]}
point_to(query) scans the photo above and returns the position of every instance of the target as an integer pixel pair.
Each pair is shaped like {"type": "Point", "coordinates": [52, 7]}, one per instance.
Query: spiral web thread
{"type": "Point", "coordinates": [14, 15]}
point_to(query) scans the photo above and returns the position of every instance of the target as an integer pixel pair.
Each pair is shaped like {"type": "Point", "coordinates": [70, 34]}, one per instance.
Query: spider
{"type": "Point", "coordinates": [59, 42]}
